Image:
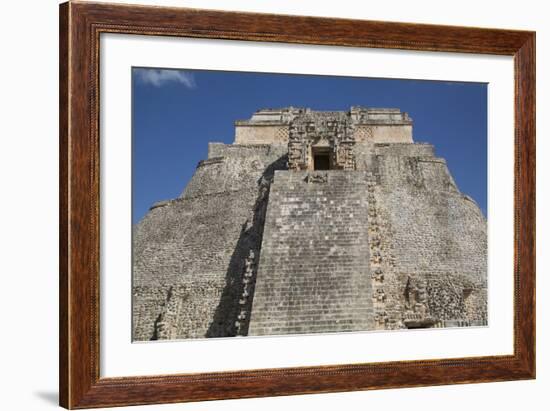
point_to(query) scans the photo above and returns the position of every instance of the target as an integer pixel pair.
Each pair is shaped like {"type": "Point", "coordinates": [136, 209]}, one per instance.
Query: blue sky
{"type": "Point", "coordinates": [177, 112]}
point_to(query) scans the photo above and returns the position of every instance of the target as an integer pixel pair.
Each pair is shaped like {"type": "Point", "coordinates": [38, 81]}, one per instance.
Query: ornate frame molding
{"type": "Point", "coordinates": [80, 27]}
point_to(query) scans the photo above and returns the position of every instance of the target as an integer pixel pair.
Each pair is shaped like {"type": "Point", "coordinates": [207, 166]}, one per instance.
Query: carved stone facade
{"type": "Point", "coordinates": [312, 221]}
{"type": "Point", "coordinates": [331, 132]}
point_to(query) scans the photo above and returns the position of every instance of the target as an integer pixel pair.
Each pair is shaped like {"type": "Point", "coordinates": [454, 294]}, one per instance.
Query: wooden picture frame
{"type": "Point", "coordinates": [80, 27]}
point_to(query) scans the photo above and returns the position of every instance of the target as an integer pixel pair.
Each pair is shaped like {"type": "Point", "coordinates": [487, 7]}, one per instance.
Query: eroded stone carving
{"type": "Point", "coordinates": [376, 258]}
{"type": "Point", "coordinates": [317, 177]}
{"type": "Point", "coordinates": [331, 130]}
{"type": "Point", "coordinates": [380, 295]}
{"type": "Point", "coordinates": [378, 274]}
{"type": "Point", "coordinates": [380, 318]}
{"type": "Point", "coordinates": [248, 274]}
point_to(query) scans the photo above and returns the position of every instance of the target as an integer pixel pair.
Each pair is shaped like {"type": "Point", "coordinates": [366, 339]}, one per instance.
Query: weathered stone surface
{"type": "Point", "coordinates": [314, 274]}
{"type": "Point", "coordinates": [260, 243]}
{"type": "Point", "coordinates": [374, 125]}
{"type": "Point", "coordinates": [195, 245]}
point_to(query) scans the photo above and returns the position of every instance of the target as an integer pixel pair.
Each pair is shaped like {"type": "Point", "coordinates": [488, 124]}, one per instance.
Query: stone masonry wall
{"type": "Point", "coordinates": [189, 253]}
{"type": "Point", "coordinates": [384, 133]}
{"type": "Point", "coordinates": [313, 274]}
{"type": "Point", "coordinates": [264, 134]}
{"type": "Point", "coordinates": [433, 242]}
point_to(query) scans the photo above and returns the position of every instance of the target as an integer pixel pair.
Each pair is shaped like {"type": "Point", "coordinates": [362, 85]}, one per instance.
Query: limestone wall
{"type": "Point", "coordinates": [261, 134]}
{"type": "Point", "coordinates": [232, 167]}
{"type": "Point", "coordinates": [433, 243]}
{"type": "Point", "coordinates": [277, 133]}
{"type": "Point", "coordinates": [189, 253]}
{"type": "Point", "coordinates": [385, 133]}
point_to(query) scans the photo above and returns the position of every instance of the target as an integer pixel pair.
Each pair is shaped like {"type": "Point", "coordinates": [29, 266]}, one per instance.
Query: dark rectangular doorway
{"type": "Point", "coordinates": [321, 161]}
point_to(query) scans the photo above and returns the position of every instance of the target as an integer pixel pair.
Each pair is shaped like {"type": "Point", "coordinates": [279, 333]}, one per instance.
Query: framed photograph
{"type": "Point", "coordinates": [258, 205]}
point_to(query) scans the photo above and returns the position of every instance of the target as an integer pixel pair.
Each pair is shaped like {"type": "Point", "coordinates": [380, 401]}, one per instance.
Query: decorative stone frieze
{"type": "Point", "coordinates": [331, 130]}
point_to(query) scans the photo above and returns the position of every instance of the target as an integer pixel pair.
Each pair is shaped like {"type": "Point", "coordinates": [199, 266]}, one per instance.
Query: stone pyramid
{"type": "Point", "coordinates": [310, 222]}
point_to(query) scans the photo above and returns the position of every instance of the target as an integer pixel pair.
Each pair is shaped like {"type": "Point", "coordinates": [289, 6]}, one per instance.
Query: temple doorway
{"type": "Point", "coordinates": [321, 158]}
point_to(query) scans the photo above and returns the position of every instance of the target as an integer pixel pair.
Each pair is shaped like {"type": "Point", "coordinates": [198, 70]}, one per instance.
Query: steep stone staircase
{"type": "Point", "coordinates": [313, 274]}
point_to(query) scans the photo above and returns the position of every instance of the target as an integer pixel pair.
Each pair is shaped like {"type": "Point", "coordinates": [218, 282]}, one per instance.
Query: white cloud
{"type": "Point", "coordinates": [160, 77]}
